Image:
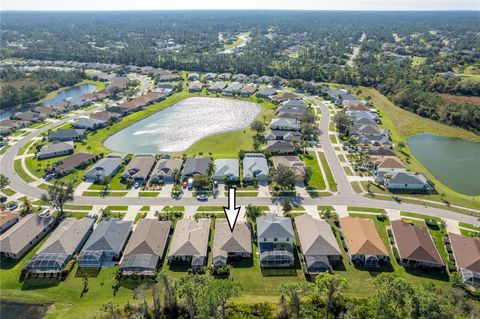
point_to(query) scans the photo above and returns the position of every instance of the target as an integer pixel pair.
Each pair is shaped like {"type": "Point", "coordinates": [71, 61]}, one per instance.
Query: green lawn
{"type": "Point", "coordinates": [238, 41]}
{"type": "Point", "coordinates": [210, 209]}
{"type": "Point", "coordinates": [366, 209]}
{"type": "Point", "coordinates": [328, 172]}
{"type": "Point", "coordinates": [78, 207]}
{"type": "Point", "coordinates": [415, 215]}
{"type": "Point", "coordinates": [8, 191]}
{"type": "Point", "coordinates": [356, 187]}
{"type": "Point", "coordinates": [99, 194]}
{"type": "Point", "coordinates": [316, 181]}
{"type": "Point", "coordinates": [76, 214]}
{"type": "Point", "coordinates": [148, 194]}
{"type": "Point", "coordinates": [69, 303]}
{"type": "Point", "coordinates": [173, 209]}
{"type": "Point", "coordinates": [469, 226]}
{"type": "Point", "coordinates": [117, 208]}
{"type": "Point", "coordinates": [24, 147]}
{"type": "Point", "coordinates": [17, 164]}
{"type": "Point", "coordinates": [145, 209]}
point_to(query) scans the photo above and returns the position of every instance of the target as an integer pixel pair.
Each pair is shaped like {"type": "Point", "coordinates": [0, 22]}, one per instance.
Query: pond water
{"type": "Point", "coordinates": [16, 310]}
{"type": "Point", "coordinates": [72, 92]}
{"type": "Point", "coordinates": [454, 162]}
{"type": "Point", "coordinates": [181, 125]}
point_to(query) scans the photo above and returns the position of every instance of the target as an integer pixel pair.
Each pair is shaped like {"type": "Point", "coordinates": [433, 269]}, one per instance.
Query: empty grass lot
{"type": "Point", "coordinates": [316, 180]}
{"type": "Point", "coordinates": [328, 172]}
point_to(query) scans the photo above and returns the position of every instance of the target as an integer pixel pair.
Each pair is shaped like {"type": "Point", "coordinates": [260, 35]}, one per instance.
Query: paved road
{"type": "Point", "coordinates": [345, 196]}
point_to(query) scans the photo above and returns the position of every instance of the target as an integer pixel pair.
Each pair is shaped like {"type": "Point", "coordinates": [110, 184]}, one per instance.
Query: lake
{"type": "Point", "coordinates": [454, 162]}
{"type": "Point", "coordinates": [17, 310]}
{"type": "Point", "coordinates": [178, 127]}
{"type": "Point", "coordinates": [72, 92]}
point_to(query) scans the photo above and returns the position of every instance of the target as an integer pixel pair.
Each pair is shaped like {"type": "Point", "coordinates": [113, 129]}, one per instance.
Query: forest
{"type": "Point", "coordinates": [294, 45]}
{"type": "Point", "coordinates": [197, 296]}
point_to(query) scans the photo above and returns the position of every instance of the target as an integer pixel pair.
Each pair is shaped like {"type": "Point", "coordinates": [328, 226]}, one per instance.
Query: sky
{"type": "Point", "coordinates": [419, 5]}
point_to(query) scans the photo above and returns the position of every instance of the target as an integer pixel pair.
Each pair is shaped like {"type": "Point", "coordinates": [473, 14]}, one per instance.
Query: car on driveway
{"type": "Point", "coordinates": [3, 199]}
{"type": "Point", "coordinates": [202, 198]}
{"type": "Point", "coordinates": [12, 206]}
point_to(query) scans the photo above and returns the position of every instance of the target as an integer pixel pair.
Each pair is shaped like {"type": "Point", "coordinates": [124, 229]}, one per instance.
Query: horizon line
{"type": "Point", "coordinates": [243, 9]}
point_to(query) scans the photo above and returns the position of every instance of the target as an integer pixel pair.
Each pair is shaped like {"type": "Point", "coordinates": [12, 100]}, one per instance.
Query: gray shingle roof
{"type": "Point", "coordinates": [109, 235]}
{"type": "Point", "coordinates": [273, 226]}
{"type": "Point", "coordinates": [139, 167]}
{"type": "Point", "coordinates": [316, 237]}
{"type": "Point", "coordinates": [196, 166]}
{"type": "Point", "coordinates": [55, 147]}
{"type": "Point", "coordinates": [227, 168]}
{"type": "Point", "coordinates": [68, 133]}
{"type": "Point", "coordinates": [254, 164]}
{"type": "Point", "coordinates": [225, 241]}
{"type": "Point", "coordinates": [190, 238]}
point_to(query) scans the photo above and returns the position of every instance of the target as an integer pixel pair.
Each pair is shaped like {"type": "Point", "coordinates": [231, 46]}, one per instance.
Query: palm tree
{"type": "Point", "coordinates": [253, 211]}
{"type": "Point", "coordinates": [26, 206]}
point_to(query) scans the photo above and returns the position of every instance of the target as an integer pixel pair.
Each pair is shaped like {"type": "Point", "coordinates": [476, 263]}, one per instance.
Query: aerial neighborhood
{"type": "Point", "coordinates": [118, 181]}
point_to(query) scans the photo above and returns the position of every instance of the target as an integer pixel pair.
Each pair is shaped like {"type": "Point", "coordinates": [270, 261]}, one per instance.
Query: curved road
{"type": "Point", "coordinates": [345, 196]}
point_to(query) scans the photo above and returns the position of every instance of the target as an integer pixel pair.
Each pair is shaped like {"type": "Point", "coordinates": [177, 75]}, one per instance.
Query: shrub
{"type": "Point", "coordinates": [431, 223]}
{"type": "Point", "coordinates": [395, 253]}
{"type": "Point", "coordinates": [451, 266]}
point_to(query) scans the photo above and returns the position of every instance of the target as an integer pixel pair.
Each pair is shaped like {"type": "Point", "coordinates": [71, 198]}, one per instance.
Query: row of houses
{"type": "Point", "coordinates": [233, 89]}
{"type": "Point", "coordinates": [242, 78]}
{"type": "Point", "coordinates": [140, 252]}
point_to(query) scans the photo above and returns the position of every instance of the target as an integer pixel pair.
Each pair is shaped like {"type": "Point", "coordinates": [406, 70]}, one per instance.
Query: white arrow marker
{"type": "Point", "coordinates": [231, 211]}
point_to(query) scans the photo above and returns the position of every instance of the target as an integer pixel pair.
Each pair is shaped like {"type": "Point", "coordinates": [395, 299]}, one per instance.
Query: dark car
{"type": "Point", "coordinates": [12, 206]}
{"type": "Point", "coordinates": [3, 199]}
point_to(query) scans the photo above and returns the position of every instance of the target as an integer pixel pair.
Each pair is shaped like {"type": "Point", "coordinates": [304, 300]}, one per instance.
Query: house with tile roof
{"type": "Point", "coordinates": [466, 251]}
{"type": "Point", "coordinates": [415, 246]}
{"type": "Point", "coordinates": [364, 244]}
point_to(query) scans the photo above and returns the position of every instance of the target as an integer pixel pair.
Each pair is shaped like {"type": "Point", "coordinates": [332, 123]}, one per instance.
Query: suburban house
{"type": "Point", "coordinates": [105, 116]}
{"type": "Point", "coordinates": [248, 90]}
{"type": "Point", "coordinates": [195, 87]}
{"type": "Point", "coordinates": [217, 87]}
{"type": "Point", "coordinates": [193, 76]}
{"type": "Point", "coordinates": [366, 129]}
{"type": "Point", "coordinates": [145, 247]}
{"type": "Point", "coordinates": [389, 165]}
{"type": "Point", "coordinates": [232, 89]}
{"type": "Point", "coordinates": [165, 88]}
{"type": "Point", "coordinates": [7, 125]}
{"type": "Point", "coordinates": [407, 180]}
{"type": "Point", "coordinates": [275, 241]}
{"type": "Point", "coordinates": [48, 111]}
{"type": "Point", "coordinates": [224, 76]}
{"type": "Point", "coordinates": [295, 103]}
{"type": "Point", "coordinates": [283, 135]}
{"type": "Point", "coordinates": [197, 166]}
{"type": "Point", "coordinates": [228, 245]}
{"type": "Point", "coordinates": [376, 140]}
{"type": "Point", "coordinates": [255, 166]}
{"type": "Point", "coordinates": [29, 116]}
{"type": "Point", "coordinates": [24, 235]}
{"type": "Point", "coordinates": [8, 219]}
{"type": "Point", "coordinates": [285, 96]}
{"type": "Point", "coordinates": [67, 135]}
{"type": "Point", "coordinates": [106, 167]}
{"type": "Point", "coordinates": [226, 170]}
{"type": "Point", "coordinates": [139, 168]}
{"type": "Point", "coordinates": [466, 251]}
{"type": "Point", "coordinates": [117, 83]}
{"type": "Point", "coordinates": [415, 246]}
{"type": "Point", "coordinates": [317, 244]}
{"type": "Point", "coordinates": [265, 79]}
{"type": "Point", "coordinates": [266, 93]}
{"type": "Point", "coordinates": [210, 76]}
{"type": "Point", "coordinates": [295, 108]}
{"type": "Point", "coordinates": [88, 123]}
{"type": "Point", "coordinates": [240, 77]}
{"type": "Point", "coordinates": [106, 243]}
{"type": "Point", "coordinates": [64, 242]}
{"type": "Point", "coordinates": [365, 246]}
{"type": "Point", "coordinates": [355, 105]}
{"type": "Point", "coordinates": [165, 169]}
{"type": "Point", "coordinates": [280, 147]}
{"type": "Point", "coordinates": [75, 161]}
{"type": "Point", "coordinates": [379, 151]}
{"type": "Point", "coordinates": [358, 115]}
{"type": "Point", "coordinates": [56, 149]}
{"type": "Point", "coordinates": [190, 242]}
{"type": "Point", "coordinates": [285, 125]}
{"type": "Point", "coordinates": [292, 162]}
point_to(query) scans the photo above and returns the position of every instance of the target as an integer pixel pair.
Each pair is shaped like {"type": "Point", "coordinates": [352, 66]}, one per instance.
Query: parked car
{"type": "Point", "coordinates": [12, 206]}
{"type": "Point", "coordinates": [184, 184]}
{"type": "Point", "coordinates": [45, 213]}
{"type": "Point", "coordinates": [3, 199]}
{"type": "Point", "coordinates": [190, 184]}
{"type": "Point", "coordinates": [49, 176]}
{"type": "Point", "coordinates": [202, 198]}
{"type": "Point", "coordinates": [93, 216]}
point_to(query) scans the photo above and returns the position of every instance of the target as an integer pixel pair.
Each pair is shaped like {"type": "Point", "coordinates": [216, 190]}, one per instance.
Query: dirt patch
{"type": "Point", "coordinates": [461, 98]}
